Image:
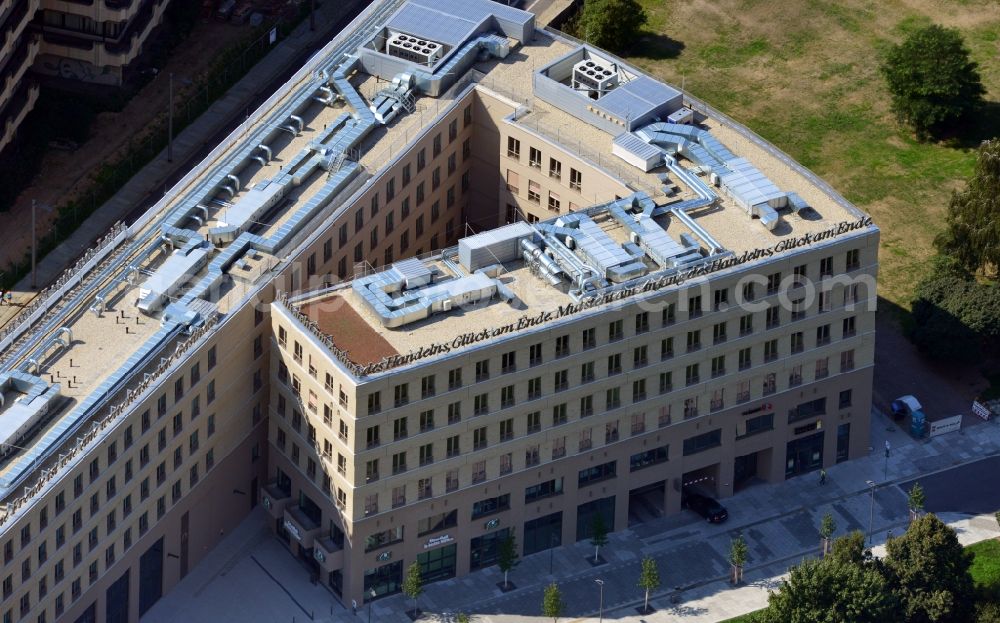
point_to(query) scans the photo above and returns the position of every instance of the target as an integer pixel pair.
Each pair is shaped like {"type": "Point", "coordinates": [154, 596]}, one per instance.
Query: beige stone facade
{"type": "Point", "coordinates": [608, 409]}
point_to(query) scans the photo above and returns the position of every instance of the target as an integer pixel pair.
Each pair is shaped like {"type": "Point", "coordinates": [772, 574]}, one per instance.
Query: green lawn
{"type": "Point", "coordinates": [986, 567]}
{"type": "Point", "coordinates": [985, 572]}
{"type": "Point", "coordinates": [804, 75]}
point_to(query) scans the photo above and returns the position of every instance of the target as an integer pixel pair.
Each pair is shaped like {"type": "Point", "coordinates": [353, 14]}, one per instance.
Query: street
{"type": "Point", "coordinates": [968, 488]}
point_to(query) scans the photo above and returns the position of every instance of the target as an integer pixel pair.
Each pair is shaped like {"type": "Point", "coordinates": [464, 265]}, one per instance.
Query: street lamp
{"type": "Point", "coordinates": [600, 610]}
{"type": "Point", "coordinates": [372, 594]}
{"type": "Point", "coordinates": [552, 550]}
{"type": "Point", "coordinates": [871, 510]}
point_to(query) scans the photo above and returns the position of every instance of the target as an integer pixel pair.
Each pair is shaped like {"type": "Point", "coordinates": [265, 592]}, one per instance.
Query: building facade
{"type": "Point", "coordinates": [704, 320]}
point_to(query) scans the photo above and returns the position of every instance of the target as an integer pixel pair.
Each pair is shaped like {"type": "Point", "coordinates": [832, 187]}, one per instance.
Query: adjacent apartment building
{"type": "Point", "coordinates": [459, 279]}
{"type": "Point", "coordinates": [85, 40]}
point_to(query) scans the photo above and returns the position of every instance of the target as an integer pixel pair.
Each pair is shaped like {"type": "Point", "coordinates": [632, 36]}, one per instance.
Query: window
{"type": "Point", "coordinates": [542, 490]}
{"type": "Point", "coordinates": [755, 425]}
{"type": "Point", "coordinates": [586, 441]}
{"type": "Point", "coordinates": [535, 158]}
{"type": "Point", "coordinates": [693, 340]}
{"type": "Point", "coordinates": [807, 410]}
{"type": "Point", "coordinates": [534, 192]}
{"type": "Point", "coordinates": [611, 432]}
{"type": "Point", "coordinates": [640, 356]}
{"type": "Point", "coordinates": [479, 440]}
{"type": "Point", "coordinates": [587, 372]}
{"type": "Point", "coordinates": [822, 368]}
{"type": "Point", "coordinates": [401, 394]}
{"type": "Point", "coordinates": [575, 179]}
{"type": "Point", "coordinates": [703, 442]}
{"type": "Point", "coordinates": [586, 406]}
{"type": "Point", "coordinates": [508, 362]}
{"type": "Point", "coordinates": [562, 346]}
{"type": "Point", "coordinates": [638, 391]}
{"type": "Point", "coordinates": [454, 412]}
{"type": "Point", "coordinates": [772, 317]}
{"type": "Point", "coordinates": [534, 422]}
{"type": "Point", "coordinates": [669, 314]}
{"type": "Point", "coordinates": [535, 355]}
{"type": "Point", "coordinates": [555, 169]}
{"type": "Point", "coordinates": [453, 447]}
{"type": "Point", "coordinates": [426, 452]}
{"type": "Point", "coordinates": [399, 429]}
{"type": "Point", "coordinates": [615, 331]}
{"type": "Point", "coordinates": [718, 366]}
{"type": "Point", "coordinates": [490, 506]}
{"type": "Point", "coordinates": [399, 463]}
{"type": "Point", "coordinates": [559, 414]}
{"type": "Point", "coordinates": [773, 283]}
{"type": "Point", "coordinates": [666, 382]}
{"type": "Point", "coordinates": [853, 259]}
{"type": "Point", "coordinates": [798, 342]}
{"type": "Point", "coordinates": [845, 399]}
{"type": "Point", "coordinates": [826, 267]}
{"type": "Point", "coordinates": [454, 378]}
{"type": "Point", "coordinates": [481, 404]}
{"type": "Point", "coordinates": [554, 202]}
{"type": "Point", "coordinates": [666, 348]}
{"type": "Point", "coordinates": [513, 148]}
{"type": "Point", "coordinates": [597, 473]}
{"type": "Point", "coordinates": [613, 398]}
{"type": "Point", "coordinates": [694, 307]}
{"type": "Point", "coordinates": [745, 360]}
{"type": "Point", "coordinates": [770, 383]}
{"type": "Point", "coordinates": [849, 327]}
{"type": "Point", "coordinates": [847, 360]}
{"type": "Point", "coordinates": [690, 407]}
{"type": "Point", "coordinates": [426, 420]}
{"type": "Point", "coordinates": [691, 376]}
{"type": "Point", "coordinates": [482, 370]}
{"type": "Point", "coordinates": [372, 436]}
{"type": "Point", "coordinates": [743, 392]}
{"type": "Point", "coordinates": [614, 364]}
{"type": "Point", "coordinates": [822, 335]}
{"type": "Point", "coordinates": [648, 458]}
{"type": "Point", "coordinates": [424, 489]}
{"type": "Point", "coordinates": [771, 350]}
{"type": "Point", "coordinates": [719, 333]}
{"type": "Point", "coordinates": [795, 376]}
{"type": "Point", "coordinates": [589, 338]}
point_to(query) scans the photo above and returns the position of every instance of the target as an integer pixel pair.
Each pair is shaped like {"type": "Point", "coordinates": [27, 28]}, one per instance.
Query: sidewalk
{"type": "Point", "coordinates": [252, 574]}
{"type": "Point", "coordinates": [779, 522]}
{"type": "Point", "coordinates": [159, 175]}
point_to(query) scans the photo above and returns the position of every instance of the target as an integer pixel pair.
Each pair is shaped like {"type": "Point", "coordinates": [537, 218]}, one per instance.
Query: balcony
{"type": "Point", "coordinates": [328, 554]}
{"type": "Point", "coordinates": [300, 527]}
{"type": "Point", "coordinates": [275, 498]}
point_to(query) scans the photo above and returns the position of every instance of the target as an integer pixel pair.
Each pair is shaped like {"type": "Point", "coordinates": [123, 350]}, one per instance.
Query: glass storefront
{"type": "Point", "coordinates": [804, 455]}
{"type": "Point", "coordinates": [438, 564]}
{"type": "Point", "coordinates": [542, 533]}
{"type": "Point", "coordinates": [484, 550]}
{"type": "Point", "coordinates": [843, 441]}
{"type": "Point", "coordinates": [386, 580]}
{"type": "Point", "coordinates": [585, 514]}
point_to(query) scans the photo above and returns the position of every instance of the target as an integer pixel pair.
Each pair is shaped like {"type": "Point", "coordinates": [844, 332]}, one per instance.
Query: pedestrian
{"type": "Point", "coordinates": [3, 296]}
{"type": "Point", "coordinates": [822, 476]}
{"type": "Point", "coordinates": [354, 607]}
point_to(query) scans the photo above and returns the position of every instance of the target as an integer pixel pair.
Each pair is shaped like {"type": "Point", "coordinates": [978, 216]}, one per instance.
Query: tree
{"type": "Point", "coordinates": [649, 580]}
{"type": "Point", "coordinates": [552, 602]}
{"type": "Point", "coordinates": [738, 552]}
{"type": "Point", "coordinates": [827, 526]}
{"type": "Point", "coordinates": [832, 591]}
{"type": "Point", "coordinates": [941, 299]}
{"type": "Point", "coordinates": [598, 534]}
{"type": "Point", "coordinates": [931, 80]}
{"type": "Point", "coordinates": [928, 570]}
{"type": "Point", "coordinates": [461, 617]}
{"type": "Point", "coordinates": [972, 236]}
{"type": "Point", "coordinates": [915, 500]}
{"type": "Point", "coordinates": [507, 557]}
{"type": "Point", "coordinates": [611, 24]}
{"type": "Point", "coordinates": [413, 584]}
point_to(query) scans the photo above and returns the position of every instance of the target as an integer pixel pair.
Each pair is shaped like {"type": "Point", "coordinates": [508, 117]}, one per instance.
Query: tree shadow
{"type": "Point", "coordinates": [656, 46]}
{"type": "Point", "coordinates": [979, 126]}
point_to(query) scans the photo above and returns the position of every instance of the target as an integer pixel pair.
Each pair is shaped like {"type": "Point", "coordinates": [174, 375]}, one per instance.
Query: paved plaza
{"type": "Point", "coordinates": [251, 576]}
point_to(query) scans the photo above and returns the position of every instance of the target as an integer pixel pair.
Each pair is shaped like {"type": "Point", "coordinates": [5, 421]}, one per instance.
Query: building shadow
{"type": "Point", "coordinates": [656, 46]}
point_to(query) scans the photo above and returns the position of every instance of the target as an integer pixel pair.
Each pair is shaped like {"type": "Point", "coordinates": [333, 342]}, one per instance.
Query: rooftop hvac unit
{"type": "Point", "coordinates": [414, 48]}
{"type": "Point", "coordinates": [595, 77]}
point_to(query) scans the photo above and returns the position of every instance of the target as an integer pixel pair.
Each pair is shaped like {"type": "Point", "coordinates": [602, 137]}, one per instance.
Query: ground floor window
{"type": "Point", "coordinates": [384, 580]}
{"type": "Point", "coordinates": [484, 550]}
{"type": "Point", "coordinates": [438, 564]}
{"type": "Point", "coordinates": [804, 455]}
{"type": "Point", "coordinates": [543, 533]}
{"type": "Point", "coordinates": [843, 442]}
{"type": "Point", "coordinates": [336, 582]}
{"type": "Point", "coordinates": [586, 513]}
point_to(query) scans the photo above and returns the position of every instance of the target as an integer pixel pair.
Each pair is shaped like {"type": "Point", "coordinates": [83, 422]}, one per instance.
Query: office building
{"type": "Point", "coordinates": [459, 277]}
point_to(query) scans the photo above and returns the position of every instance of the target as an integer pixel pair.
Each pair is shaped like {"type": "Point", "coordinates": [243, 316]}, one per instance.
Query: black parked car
{"type": "Point", "coordinates": [705, 506]}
